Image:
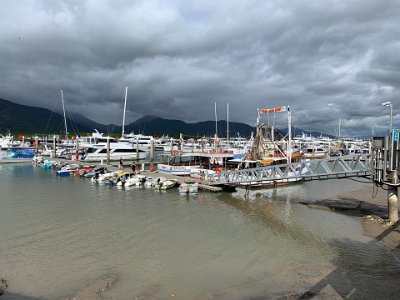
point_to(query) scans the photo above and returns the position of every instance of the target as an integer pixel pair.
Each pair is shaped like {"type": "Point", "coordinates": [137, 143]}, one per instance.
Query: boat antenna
{"type": "Point", "coordinates": [123, 117]}
{"type": "Point", "coordinates": [65, 119]}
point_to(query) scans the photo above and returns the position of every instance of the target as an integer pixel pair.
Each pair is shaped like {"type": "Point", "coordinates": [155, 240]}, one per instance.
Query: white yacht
{"type": "Point", "coordinates": [117, 151]}
{"type": "Point", "coordinates": [143, 142]}
{"type": "Point", "coordinates": [96, 148]}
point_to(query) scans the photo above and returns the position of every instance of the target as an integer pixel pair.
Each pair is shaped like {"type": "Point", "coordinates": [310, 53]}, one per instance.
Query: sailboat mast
{"type": "Point", "coordinates": [65, 119]}
{"type": "Point", "coordinates": [289, 148]}
{"type": "Point", "coordinates": [227, 122]}
{"type": "Point", "coordinates": [123, 117]}
{"type": "Point", "coordinates": [216, 121]}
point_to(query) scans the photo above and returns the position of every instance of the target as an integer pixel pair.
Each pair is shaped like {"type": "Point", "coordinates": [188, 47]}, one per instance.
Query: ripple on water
{"type": "Point", "coordinates": [65, 232]}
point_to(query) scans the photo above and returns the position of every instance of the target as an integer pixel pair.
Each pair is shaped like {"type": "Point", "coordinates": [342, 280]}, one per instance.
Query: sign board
{"type": "Point", "coordinates": [395, 135]}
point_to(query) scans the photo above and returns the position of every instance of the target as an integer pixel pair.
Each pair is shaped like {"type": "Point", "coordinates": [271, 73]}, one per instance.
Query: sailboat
{"type": "Point", "coordinates": [96, 145]}
{"type": "Point", "coordinates": [139, 141]}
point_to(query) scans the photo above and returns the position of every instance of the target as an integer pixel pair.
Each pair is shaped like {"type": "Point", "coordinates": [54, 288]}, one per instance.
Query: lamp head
{"type": "Point", "coordinates": [388, 103]}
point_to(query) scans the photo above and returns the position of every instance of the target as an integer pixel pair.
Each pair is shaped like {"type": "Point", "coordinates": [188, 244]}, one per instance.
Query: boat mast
{"type": "Point", "coordinates": [216, 121]}
{"type": "Point", "coordinates": [123, 117]}
{"type": "Point", "coordinates": [65, 119]}
{"type": "Point", "coordinates": [289, 148]}
{"type": "Point", "coordinates": [227, 122]}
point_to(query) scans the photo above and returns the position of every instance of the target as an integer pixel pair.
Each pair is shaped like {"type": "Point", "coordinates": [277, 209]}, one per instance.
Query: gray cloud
{"type": "Point", "coordinates": [179, 57]}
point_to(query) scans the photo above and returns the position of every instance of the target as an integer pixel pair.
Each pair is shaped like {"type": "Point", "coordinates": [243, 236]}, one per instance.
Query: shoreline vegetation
{"type": "Point", "coordinates": [369, 204]}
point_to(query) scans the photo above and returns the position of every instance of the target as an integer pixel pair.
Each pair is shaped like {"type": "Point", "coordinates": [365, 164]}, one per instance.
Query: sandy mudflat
{"type": "Point", "coordinates": [370, 204]}
{"type": "Point", "coordinates": [94, 290]}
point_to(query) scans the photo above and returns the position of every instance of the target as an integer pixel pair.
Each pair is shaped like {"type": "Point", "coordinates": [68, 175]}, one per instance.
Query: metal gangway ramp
{"type": "Point", "coordinates": [315, 169]}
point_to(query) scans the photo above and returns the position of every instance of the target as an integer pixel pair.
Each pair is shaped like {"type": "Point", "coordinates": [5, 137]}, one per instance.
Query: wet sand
{"type": "Point", "coordinates": [370, 204]}
{"type": "Point", "coordinates": [95, 289]}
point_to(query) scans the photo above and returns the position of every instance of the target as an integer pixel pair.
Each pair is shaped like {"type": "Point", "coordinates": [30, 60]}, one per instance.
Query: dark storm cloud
{"type": "Point", "coordinates": [179, 57]}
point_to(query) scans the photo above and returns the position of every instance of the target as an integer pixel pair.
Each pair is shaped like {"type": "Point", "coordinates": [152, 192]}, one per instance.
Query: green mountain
{"type": "Point", "coordinates": [27, 119]}
{"type": "Point", "coordinates": [22, 118]}
{"type": "Point", "coordinates": [18, 118]}
{"type": "Point", "coordinates": [159, 126]}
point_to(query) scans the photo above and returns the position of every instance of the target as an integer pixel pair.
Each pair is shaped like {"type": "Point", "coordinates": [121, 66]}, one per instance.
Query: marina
{"type": "Point", "coordinates": [158, 243]}
{"type": "Point", "coordinates": [199, 150]}
{"type": "Point", "coordinates": [196, 213]}
{"type": "Point", "coordinates": [145, 217]}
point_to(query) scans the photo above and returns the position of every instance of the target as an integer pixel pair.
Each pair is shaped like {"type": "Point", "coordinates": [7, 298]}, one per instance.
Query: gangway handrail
{"type": "Point", "coordinates": [316, 169]}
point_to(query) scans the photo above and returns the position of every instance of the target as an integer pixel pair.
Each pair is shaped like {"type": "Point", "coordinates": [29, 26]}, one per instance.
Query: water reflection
{"type": "Point", "coordinates": [68, 231]}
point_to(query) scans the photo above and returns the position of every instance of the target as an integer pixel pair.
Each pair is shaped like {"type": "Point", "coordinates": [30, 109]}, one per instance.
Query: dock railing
{"type": "Point", "coordinates": [316, 169]}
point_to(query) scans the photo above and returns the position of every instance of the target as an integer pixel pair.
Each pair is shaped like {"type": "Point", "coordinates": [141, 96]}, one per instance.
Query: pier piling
{"type": "Point", "coordinates": [393, 197]}
{"type": "Point", "coordinates": [393, 205]}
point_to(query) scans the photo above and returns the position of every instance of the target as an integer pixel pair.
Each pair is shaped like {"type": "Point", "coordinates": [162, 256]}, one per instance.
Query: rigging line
{"type": "Point", "coordinates": [51, 114]}
{"type": "Point", "coordinates": [48, 121]}
{"type": "Point", "coordinates": [73, 123]}
{"type": "Point", "coordinates": [71, 116]}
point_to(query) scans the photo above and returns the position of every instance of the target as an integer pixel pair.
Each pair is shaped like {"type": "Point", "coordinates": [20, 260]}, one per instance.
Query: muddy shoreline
{"type": "Point", "coordinates": [370, 205]}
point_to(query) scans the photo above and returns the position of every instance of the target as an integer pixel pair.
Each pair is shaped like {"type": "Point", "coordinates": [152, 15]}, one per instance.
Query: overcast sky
{"type": "Point", "coordinates": [326, 59]}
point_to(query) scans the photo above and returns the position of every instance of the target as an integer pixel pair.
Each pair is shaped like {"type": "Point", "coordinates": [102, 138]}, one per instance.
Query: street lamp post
{"type": "Point", "coordinates": [388, 103]}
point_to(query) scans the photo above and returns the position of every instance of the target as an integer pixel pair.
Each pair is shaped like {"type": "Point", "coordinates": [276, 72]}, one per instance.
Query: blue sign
{"type": "Point", "coordinates": [395, 135]}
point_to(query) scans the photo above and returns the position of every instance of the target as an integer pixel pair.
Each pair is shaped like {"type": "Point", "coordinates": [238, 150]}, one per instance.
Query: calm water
{"type": "Point", "coordinates": [59, 234]}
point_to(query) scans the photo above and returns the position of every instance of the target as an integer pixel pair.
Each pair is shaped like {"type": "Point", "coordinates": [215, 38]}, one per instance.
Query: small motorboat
{"type": "Point", "coordinates": [63, 172]}
{"type": "Point", "coordinates": [158, 182]}
{"type": "Point", "coordinates": [105, 176]}
{"type": "Point", "coordinates": [66, 170]}
{"type": "Point", "coordinates": [150, 182]}
{"type": "Point", "coordinates": [135, 180]}
{"type": "Point", "coordinates": [82, 171]}
{"type": "Point", "coordinates": [189, 188]}
{"type": "Point", "coordinates": [169, 184]}
{"type": "Point", "coordinates": [93, 173]}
